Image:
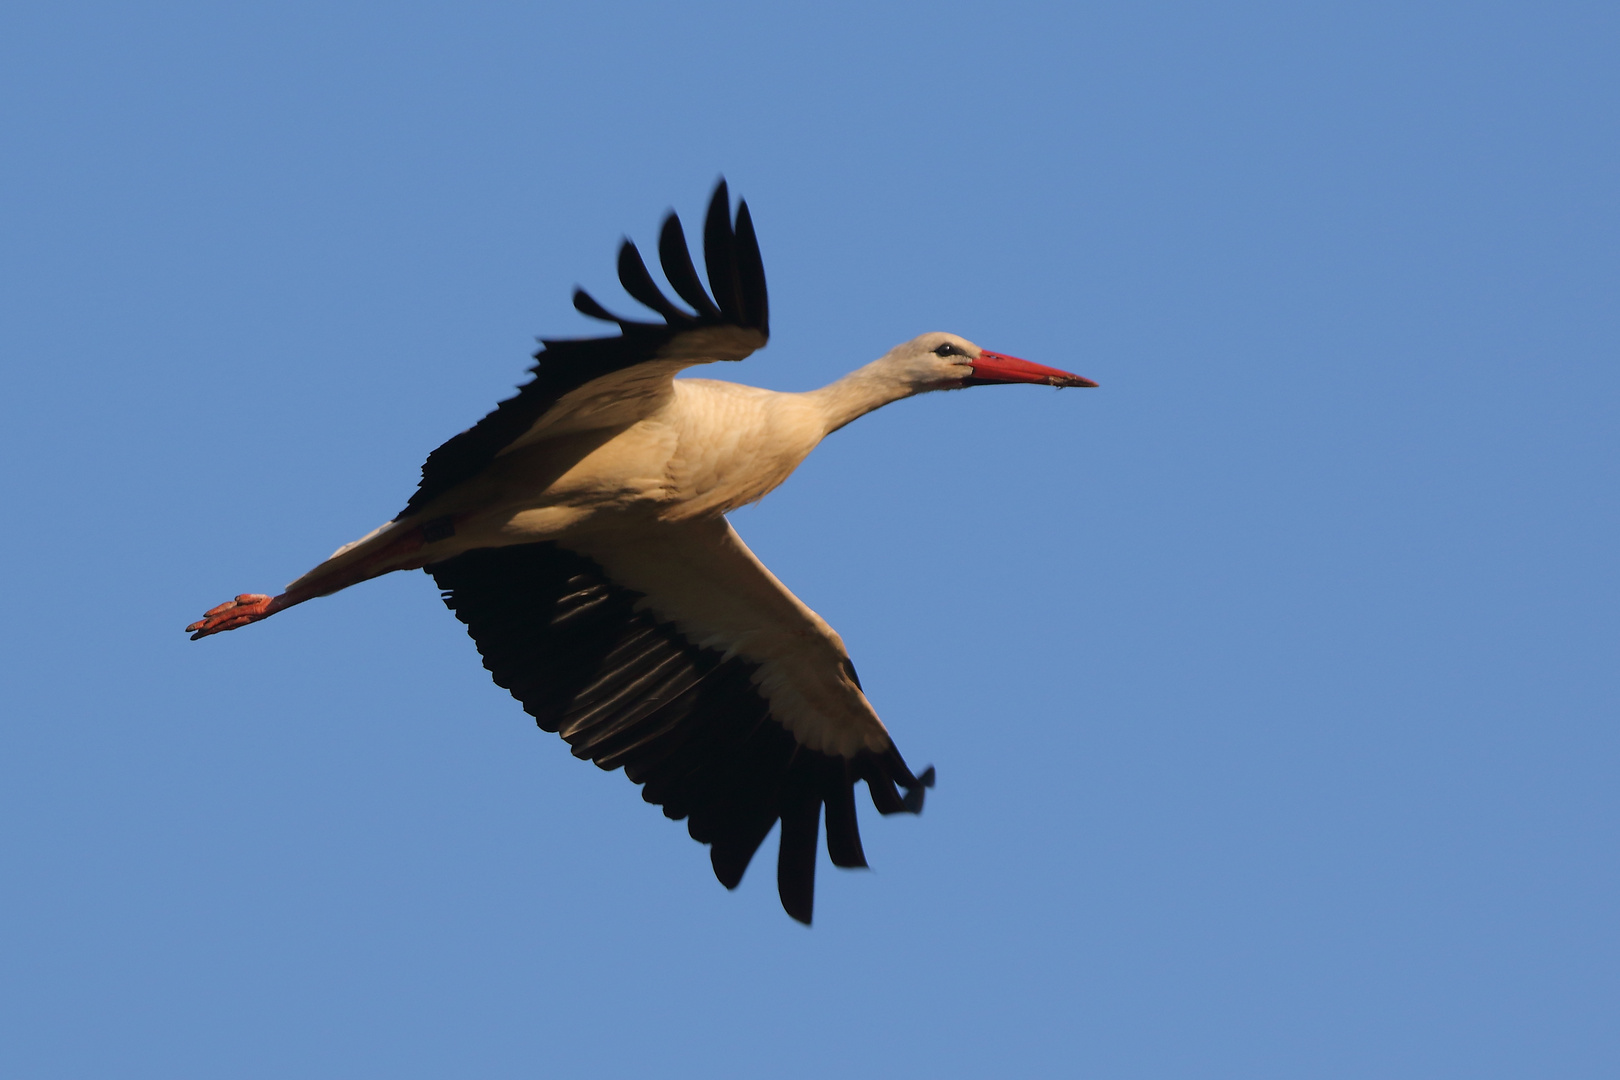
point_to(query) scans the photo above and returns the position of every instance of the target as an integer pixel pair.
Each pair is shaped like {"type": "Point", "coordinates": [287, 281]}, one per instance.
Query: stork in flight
{"type": "Point", "coordinates": [579, 531]}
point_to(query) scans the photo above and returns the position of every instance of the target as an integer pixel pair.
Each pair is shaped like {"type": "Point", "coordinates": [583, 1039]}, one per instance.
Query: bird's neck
{"type": "Point", "coordinates": [859, 392]}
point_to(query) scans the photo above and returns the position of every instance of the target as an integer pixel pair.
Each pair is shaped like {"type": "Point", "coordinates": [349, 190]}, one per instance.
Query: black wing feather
{"type": "Point", "coordinates": [843, 828]}
{"type": "Point", "coordinates": [796, 859]}
{"type": "Point", "coordinates": [683, 277]}
{"type": "Point", "coordinates": [720, 255]}
{"type": "Point", "coordinates": [751, 272]}
{"type": "Point", "coordinates": [565, 365]}
{"type": "Point", "coordinates": [638, 283]}
{"type": "Point", "coordinates": [586, 305]}
{"type": "Point", "coordinates": [686, 723]}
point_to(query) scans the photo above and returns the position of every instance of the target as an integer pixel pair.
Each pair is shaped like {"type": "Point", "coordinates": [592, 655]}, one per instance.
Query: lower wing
{"type": "Point", "coordinates": [673, 652]}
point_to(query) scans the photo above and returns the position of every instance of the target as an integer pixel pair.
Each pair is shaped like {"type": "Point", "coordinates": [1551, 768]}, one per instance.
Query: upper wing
{"type": "Point", "coordinates": [610, 380]}
{"type": "Point", "coordinates": [676, 654]}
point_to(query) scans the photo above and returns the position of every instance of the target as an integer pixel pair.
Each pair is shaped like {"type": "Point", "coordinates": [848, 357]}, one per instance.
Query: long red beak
{"type": "Point", "coordinates": [995, 368]}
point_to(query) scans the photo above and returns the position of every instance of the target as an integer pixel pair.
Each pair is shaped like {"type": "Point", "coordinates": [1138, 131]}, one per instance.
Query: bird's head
{"type": "Point", "coordinates": [931, 362]}
{"type": "Point", "coordinates": [941, 361]}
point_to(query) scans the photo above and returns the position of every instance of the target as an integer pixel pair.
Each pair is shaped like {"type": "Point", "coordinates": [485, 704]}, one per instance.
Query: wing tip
{"type": "Point", "coordinates": [916, 793]}
{"type": "Point", "coordinates": [586, 305]}
{"type": "Point", "coordinates": [732, 261]}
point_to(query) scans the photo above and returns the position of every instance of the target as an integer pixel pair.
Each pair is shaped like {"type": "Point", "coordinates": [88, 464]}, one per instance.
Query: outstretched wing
{"type": "Point", "coordinates": [585, 377]}
{"type": "Point", "coordinates": [676, 654]}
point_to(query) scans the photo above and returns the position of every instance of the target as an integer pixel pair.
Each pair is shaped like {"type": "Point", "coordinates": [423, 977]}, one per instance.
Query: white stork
{"type": "Point", "coordinates": [579, 531]}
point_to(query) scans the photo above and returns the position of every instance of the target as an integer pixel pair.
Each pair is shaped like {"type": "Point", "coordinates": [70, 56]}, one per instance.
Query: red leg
{"type": "Point", "coordinates": [251, 607]}
{"type": "Point", "coordinates": [246, 608]}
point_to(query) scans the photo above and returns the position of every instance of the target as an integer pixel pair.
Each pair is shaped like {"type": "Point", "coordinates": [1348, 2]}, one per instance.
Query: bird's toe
{"type": "Point", "coordinates": [246, 608]}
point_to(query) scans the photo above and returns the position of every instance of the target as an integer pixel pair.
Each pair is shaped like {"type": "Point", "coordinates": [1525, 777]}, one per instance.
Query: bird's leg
{"type": "Point", "coordinates": [251, 607]}
{"type": "Point", "coordinates": [246, 608]}
{"type": "Point", "coordinates": [401, 553]}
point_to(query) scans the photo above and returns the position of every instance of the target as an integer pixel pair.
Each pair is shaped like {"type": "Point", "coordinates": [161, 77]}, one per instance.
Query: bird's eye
{"type": "Point", "coordinates": [947, 349]}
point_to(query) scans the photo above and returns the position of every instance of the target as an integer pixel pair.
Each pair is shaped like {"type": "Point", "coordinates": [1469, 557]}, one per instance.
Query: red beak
{"type": "Point", "coordinates": [995, 368]}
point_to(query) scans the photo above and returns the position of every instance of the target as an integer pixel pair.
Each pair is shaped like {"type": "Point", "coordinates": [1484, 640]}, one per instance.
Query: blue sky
{"type": "Point", "coordinates": [1272, 686]}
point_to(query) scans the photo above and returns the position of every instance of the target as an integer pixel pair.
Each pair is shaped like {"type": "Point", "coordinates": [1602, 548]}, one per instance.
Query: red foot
{"type": "Point", "coordinates": [247, 608]}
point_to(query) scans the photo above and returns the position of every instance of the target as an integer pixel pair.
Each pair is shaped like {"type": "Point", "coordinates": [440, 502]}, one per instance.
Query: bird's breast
{"type": "Point", "coordinates": [733, 444]}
